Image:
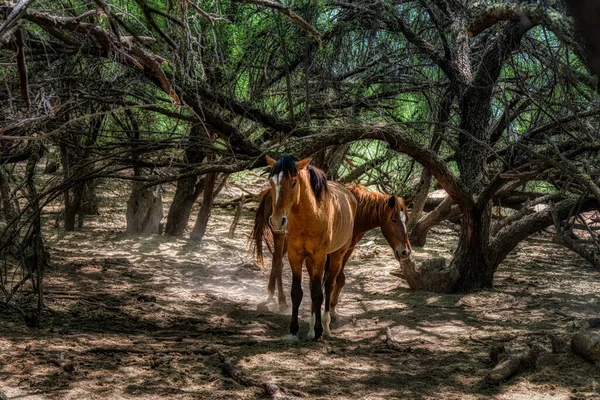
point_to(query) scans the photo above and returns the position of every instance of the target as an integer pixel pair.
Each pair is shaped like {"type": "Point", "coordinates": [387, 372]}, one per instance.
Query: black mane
{"type": "Point", "coordinates": [318, 181]}
{"type": "Point", "coordinates": [287, 165]}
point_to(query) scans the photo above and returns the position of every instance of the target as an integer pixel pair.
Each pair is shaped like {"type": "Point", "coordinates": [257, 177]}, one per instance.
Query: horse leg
{"type": "Point", "coordinates": [341, 277]}
{"type": "Point", "coordinates": [280, 250]}
{"type": "Point", "coordinates": [316, 266]}
{"type": "Point", "coordinates": [335, 266]}
{"type": "Point", "coordinates": [335, 296]}
{"type": "Point", "coordinates": [296, 260]}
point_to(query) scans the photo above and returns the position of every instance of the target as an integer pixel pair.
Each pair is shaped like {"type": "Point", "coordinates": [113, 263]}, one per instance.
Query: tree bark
{"type": "Point", "coordinates": [471, 258]}
{"type": "Point", "coordinates": [144, 210]}
{"type": "Point", "coordinates": [188, 189]}
{"type": "Point", "coordinates": [7, 207]}
{"type": "Point", "coordinates": [418, 235]}
{"type": "Point", "coordinates": [204, 213]}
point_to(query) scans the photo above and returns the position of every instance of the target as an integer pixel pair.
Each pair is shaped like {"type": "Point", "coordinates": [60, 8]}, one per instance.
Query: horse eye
{"type": "Point", "coordinates": [395, 221]}
{"type": "Point", "coordinates": [293, 183]}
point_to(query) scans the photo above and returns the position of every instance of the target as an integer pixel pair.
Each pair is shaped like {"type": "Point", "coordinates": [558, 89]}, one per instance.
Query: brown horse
{"type": "Point", "coordinates": [374, 210]}
{"type": "Point", "coordinates": [317, 217]}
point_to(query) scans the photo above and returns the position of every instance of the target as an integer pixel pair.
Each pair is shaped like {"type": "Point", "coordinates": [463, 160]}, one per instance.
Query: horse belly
{"type": "Point", "coordinates": [342, 217]}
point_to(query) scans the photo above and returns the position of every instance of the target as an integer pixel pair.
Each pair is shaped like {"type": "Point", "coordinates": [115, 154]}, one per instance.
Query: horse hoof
{"type": "Point", "coordinates": [326, 332]}
{"type": "Point", "coordinates": [335, 318]}
{"type": "Point", "coordinates": [262, 307]}
{"type": "Point", "coordinates": [311, 334]}
{"type": "Point", "coordinates": [283, 307]}
{"type": "Point", "coordinates": [292, 339]}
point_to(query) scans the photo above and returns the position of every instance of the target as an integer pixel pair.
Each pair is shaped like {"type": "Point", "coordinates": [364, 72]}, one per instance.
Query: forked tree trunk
{"type": "Point", "coordinates": [207, 202]}
{"type": "Point", "coordinates": [186, 194]}
{"type": "Point", "coordinates": [188, 189]}
{"type": "Point", "coordinates": [418, 235]}
{"type": "Point", "coordinates": [144, 210]}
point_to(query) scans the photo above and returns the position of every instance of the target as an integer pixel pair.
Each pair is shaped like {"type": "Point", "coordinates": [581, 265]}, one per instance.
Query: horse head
{"type": "Point", "coordinates": [284, 188]}
{"type": "Point", "coordinates": [394, 227]}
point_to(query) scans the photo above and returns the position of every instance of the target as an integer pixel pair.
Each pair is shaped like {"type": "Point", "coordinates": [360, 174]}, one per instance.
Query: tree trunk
{"type": "Point", "coordinates": [7, 207]}
{"type": "Point", "coordinates": [186, 194]}
{"type": "Point", "coordinates": [188, 189]}
{"type": "Point", "coordinates": [418, 235]}
{"type": "Point", "coordinates": [204, 213]}
{"type": "Point", "coordinates": [89, 199]}
{"type": "Point", "coordinates": [144, 210]}
{"type": "Point", "coordinates": [471, 258]}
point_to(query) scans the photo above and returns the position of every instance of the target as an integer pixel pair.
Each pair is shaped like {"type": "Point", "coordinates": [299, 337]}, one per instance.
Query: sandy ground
{"type": "Point", "coordinates": [145, 318]}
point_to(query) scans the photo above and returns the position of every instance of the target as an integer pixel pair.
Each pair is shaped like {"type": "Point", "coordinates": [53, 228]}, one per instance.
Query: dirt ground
{"type": "Point", "coordinates": [146, 318]}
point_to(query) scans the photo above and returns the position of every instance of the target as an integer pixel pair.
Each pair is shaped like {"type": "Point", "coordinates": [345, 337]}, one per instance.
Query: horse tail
{"type": "Point", "coordinates": [261, 230]}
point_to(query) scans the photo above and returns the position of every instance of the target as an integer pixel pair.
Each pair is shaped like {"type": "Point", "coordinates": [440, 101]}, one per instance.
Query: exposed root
{"type": "Point", "coordinates": [273, 391]}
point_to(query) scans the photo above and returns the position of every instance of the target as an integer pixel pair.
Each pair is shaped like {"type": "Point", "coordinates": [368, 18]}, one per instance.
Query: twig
{"type": "Point", "coordinates": [289, 13]}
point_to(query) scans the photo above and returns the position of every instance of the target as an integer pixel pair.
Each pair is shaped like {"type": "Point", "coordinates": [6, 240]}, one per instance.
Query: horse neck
{"type": "Point", "coordinates": [370, 213]}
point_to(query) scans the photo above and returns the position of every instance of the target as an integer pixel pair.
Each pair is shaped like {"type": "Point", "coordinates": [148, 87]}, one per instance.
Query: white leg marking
{"type": "Point", "coordinates": [311, 331]}
{"type": "Point", "coordinates": [326, 321]}
{"type": "Point", "coordinates": [270, 298]}
{"type": "Point", "coordinates": [291, 339]}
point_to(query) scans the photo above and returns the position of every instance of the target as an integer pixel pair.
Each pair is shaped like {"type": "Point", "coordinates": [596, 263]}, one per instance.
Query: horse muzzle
{"type": "Point", "coordinates": [402, 254]}
{"type": "Point", "coordinates": [278, 228]}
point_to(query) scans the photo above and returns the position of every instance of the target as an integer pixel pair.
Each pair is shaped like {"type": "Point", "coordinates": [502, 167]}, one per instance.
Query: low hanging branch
{"type": "Point", "coordinates": [289, 13]}
{"type": "Point", "coordinates": [14, 16]}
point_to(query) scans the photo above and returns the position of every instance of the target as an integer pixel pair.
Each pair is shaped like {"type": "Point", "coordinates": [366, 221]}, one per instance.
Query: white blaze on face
{"type": "Point", "coordinates": [403, 219]}
{"type": "Point", "coordinates": [277, 182]}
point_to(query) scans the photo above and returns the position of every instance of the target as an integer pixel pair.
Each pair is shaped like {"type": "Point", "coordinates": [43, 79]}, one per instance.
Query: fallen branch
{"type": "Point", "coordinates": [587, 346]}
{"type": "Point", "coordinates": [511, 366]}
{"type": "Point", "coordinates": [272, 390]}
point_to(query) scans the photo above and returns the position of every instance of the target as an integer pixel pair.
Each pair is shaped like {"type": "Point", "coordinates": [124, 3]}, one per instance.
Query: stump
{"type": "Point", "coordinates": [431, 275]}
{"type": "Point", "coordinates": [144, 210]}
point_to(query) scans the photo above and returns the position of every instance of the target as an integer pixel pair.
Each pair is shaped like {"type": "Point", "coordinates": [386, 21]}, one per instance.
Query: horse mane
{"type": "Point", "coordinates": [287, 165]}
{"type": "Point", "coordinates": [371, 205]}
{"type": "Point", "coordinates": [261, 230]}
{"type": "Point", "coordinates": [318, 181]}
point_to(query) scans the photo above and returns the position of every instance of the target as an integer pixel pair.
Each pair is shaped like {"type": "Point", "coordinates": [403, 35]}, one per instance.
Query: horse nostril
{"type": "Point", "coordinates": [283, 221]}
{"type": "Point", "coordinates": [271, 221]}
{"type": "Point", "coordinates": [404, 253]}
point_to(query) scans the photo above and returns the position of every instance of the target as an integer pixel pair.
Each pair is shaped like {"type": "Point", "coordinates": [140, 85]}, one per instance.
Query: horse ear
{"type": "Point", "coordinates": [392, 202]}
{"type": "Point", "coordinates": [302, 164]}
{"type": "Point", "coordinates": [270, 161]}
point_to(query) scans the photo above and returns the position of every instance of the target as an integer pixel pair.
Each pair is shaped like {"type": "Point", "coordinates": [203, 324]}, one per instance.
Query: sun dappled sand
{"type": "Point", "coordinates": [142, 318]}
